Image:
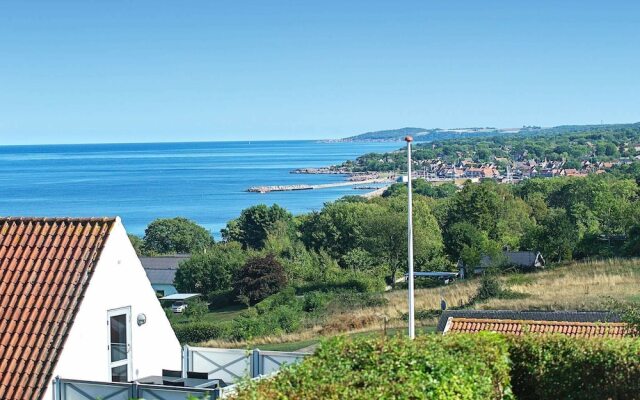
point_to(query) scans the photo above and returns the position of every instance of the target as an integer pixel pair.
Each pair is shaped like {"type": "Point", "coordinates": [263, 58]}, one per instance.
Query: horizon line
{"type": "Point", "coordinates": [299, 140]}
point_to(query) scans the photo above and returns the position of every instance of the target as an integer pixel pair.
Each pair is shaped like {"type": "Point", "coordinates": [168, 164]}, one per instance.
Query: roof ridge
{"type": "Point", "coordinates": [535, 322]}
{"type": "Point", "coordinates": [56, 219]}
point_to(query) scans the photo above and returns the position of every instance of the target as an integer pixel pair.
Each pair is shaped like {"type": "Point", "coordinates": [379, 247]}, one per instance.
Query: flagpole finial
{"type": "Point", "coordinates": [408, 139]}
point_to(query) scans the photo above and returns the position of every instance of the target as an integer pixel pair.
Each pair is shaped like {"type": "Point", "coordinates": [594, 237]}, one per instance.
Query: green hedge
{"type": "Point", "coordinates": [482, 366]}
{"type": "Point", "coordinates": [195, 332]}
{"type": "Point", "coordinates": [431, 367]}
{"type": "Point", "coordinates": [560, 367]}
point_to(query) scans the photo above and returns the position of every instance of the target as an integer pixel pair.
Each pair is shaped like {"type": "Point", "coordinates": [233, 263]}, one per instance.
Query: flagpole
{"type": "Point", "coordinates": [412, 324]}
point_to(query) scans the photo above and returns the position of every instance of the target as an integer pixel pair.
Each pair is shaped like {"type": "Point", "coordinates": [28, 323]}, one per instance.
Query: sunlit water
{"type": "Point", "coordinates": [206, 182]}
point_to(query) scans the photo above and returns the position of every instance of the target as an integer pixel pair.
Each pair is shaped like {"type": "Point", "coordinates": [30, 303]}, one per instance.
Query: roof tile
{"type": "Point", "coordinates": [520, 327]}
{"type": "Point", "coordinates": [45, 264]}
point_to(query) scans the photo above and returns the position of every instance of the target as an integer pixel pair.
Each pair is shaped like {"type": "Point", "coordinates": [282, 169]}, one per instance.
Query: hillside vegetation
{"type": "Point", "coordinates": [589, 285]}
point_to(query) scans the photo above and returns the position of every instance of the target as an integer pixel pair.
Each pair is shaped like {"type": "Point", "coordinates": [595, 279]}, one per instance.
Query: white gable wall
{"type": "Point", "coordinates": [118, 281]}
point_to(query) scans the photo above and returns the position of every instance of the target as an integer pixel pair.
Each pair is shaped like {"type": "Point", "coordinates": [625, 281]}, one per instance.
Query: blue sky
{"type": "Point", "coordinates": [134, 71]}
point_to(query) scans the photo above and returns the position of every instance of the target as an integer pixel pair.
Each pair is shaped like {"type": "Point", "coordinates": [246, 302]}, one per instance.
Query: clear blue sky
{"type": "Point", "coordinates": [133, 71]}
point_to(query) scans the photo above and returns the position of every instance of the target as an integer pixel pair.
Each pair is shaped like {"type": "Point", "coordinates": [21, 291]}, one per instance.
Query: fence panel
{"type": "Point", "coordinates": [70, 389]}
{"type": "Point", "coordinates": [272, 361]}
{"type": "Point", "coordinates": [84, 390]}
{"type": "Point", "coordinates": [165, 393]}
{"type": "Point", "coordinates": [230, 365]}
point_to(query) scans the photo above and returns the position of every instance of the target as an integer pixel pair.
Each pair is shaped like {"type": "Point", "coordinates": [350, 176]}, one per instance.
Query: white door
{"type": "Point", "coordinates": [119, 347]}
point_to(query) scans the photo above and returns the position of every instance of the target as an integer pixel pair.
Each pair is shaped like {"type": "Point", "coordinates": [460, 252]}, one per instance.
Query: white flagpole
{"type": "Point", "coordinates": [412, 324]}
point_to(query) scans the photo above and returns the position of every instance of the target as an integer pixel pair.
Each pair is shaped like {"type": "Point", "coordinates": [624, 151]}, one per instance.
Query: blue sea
{"type": "Point", "coordinates": [140, 182]}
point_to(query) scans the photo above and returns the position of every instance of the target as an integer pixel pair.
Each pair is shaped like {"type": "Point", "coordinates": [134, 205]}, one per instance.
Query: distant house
{"type": "Point", "coordinates": [161, 272]}
{"type": "Point", "coordinates": [571, 323]}
{"type": "Point", "coordinates": [519, 327]}
{"type": "Point", "coordinates": [474, 172]}
{"type": "Point", "coordinates": [526, 260]}
{"type": "Point", "coordinates": [76, 303]}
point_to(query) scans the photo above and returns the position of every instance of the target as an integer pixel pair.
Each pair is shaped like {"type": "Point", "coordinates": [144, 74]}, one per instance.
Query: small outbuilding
{"type": "Point", "coordinates": [524, 260]}
{"type": "Point", "coordinates": [161, 271]}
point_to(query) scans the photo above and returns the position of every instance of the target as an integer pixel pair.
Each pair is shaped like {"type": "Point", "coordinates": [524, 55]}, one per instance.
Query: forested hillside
{"type": "Point", "coordinates": [567, 143]}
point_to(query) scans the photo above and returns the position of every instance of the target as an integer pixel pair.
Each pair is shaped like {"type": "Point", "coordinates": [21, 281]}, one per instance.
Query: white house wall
{"type": "Point", "coordinates": [118, 281]}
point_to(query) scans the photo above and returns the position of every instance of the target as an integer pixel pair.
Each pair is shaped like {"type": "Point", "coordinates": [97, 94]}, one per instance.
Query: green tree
{"type": "Point", "coordinates": [175, 235]}
{"type": "Point", "coordinates": [210, 271]}
{"type": "Point", "coordinates": [385, 236]}
{"type": "Point", "coordinates": [254, 225]}
{"type": "Point", "coordinates": [338, 228]}
{"type": "Point", "coordinates": [137, 243]}
{"type": "Point", "coordinates": [557, 237]}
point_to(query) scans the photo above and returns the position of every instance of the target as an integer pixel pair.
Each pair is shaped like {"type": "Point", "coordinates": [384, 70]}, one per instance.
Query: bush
{"type": "Point", "coordinates": [259, 278]}
{"type": "Point", "coordinates": [315, 301]}
{"type": "Point", "coordinates": [560, 367]}
{"type": "Point", "coordinates": [196, 309]}
{"type": "Point", "coordinates": [430, 367]}
{"type": "Point", "coordinates": [348, 281]}
{"type": "Point", "coordinates": [280, 313]}
{"type": "Point", "coordinates": [221, 298]}
{"type": "Point", "coordinates": [195, 332]}
{"type": "Point", "coordinates": [489, 286]}
{"type": "Point", "coordinates": [460, 366]}
{"type": "Point", "coordinates": [285, 297]}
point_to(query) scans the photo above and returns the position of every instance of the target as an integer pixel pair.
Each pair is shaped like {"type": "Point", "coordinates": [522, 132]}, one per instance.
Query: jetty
{"type": "Point", "coordinates": [288, 188]}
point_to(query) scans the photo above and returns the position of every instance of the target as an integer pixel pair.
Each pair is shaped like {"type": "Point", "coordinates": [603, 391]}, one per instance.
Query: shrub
{"type": "Point", "coordinates": [195, 332]}
{"type": "Point", "coordinates": [560, 367]}
{"type": "Point", "coordinates": [348, 281]}
{"type": "Point", "coordinates": [285, 297]}
{"type": "Point", "coordinates": [315, 301]}
{"type": "Point", "coordinates": [489, 286]}
{"type": "Point", "coordinates": [353, 300]}
{"type": "Point", "coordinates": [221, 298]}
{"type": "Point", "coordinates": [430, 367]}
{"type": "Point", "coordinates": [259, 278]}
{"type": "Point", "coordinates": [286, 318]}
{"type": "Point", "coordinates": [196, 309]}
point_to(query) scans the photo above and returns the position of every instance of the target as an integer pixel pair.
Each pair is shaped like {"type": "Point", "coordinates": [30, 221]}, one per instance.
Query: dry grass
{"type": "Point", "coordinates": [575, 286]}
{"type": "Point", "coordinates": [578, 286]}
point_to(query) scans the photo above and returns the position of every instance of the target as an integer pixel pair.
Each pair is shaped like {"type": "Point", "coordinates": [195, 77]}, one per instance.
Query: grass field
{"type": "Point", "coordinates": [572, 286]}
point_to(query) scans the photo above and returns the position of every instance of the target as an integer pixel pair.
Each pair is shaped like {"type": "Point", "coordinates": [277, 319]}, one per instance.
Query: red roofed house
{"type": "Point", "coordinates": [519, 327]}
{"type": "Point", "coordinates": [75, 302]}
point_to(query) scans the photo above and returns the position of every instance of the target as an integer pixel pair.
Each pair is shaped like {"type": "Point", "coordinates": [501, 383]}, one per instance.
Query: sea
{"type": "Point", "coordinates": [205, 182]}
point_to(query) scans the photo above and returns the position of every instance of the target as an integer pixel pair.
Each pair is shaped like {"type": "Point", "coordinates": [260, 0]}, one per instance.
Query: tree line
{"type": "Point", "coordinates": [359, 242]}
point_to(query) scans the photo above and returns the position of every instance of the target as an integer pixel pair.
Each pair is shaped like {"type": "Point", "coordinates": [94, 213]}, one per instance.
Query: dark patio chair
{"type": "Point", "coordinates": [171, 373]}
{"type": "Point", "coordinates": [172, 383]}
{"type": "Point", "coordinates": [197, 375]}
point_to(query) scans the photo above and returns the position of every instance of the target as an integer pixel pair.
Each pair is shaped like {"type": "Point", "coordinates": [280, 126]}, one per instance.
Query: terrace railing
{"type": "Point", "coordinates": [73, 389]}
{"type": "Point", "coordinates": [232, 365]}
{"type": "Point", "coordinates": [229, 365]}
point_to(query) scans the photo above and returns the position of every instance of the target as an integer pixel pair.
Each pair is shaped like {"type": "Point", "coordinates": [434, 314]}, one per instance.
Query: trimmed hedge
{"type": "Point", "coordinates": [431, 367]}
{"type": "Point", "coordinates": [560, 367]}
{"type": "Point", "coordinates": [481, 366]}
{"type": "Point", "coordinates": [196, 332]}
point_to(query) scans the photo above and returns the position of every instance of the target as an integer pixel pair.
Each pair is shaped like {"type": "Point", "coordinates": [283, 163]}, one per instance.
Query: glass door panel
{"type": "Point", "coordinates": [119, 322]}
{"type": "Point", "coordinates": [119, 343]}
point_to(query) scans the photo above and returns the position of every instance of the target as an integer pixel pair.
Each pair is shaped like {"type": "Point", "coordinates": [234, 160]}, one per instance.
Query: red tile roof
{"type": "Point", "coordinates": [45, 265]}
{"type": "Point", "coordinates": [519, 327]}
